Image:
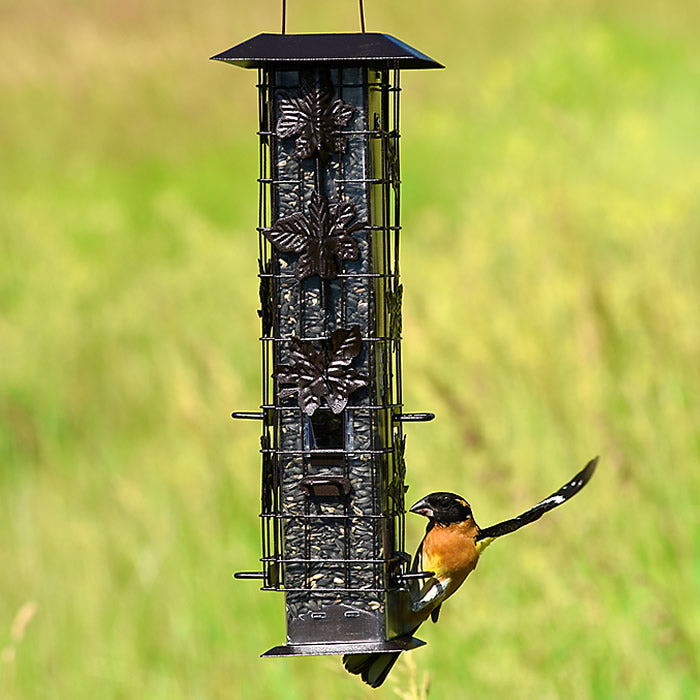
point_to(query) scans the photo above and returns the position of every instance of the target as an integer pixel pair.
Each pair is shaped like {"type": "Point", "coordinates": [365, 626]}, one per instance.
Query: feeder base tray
{"type": "Point", "coordinates": [398, 644]}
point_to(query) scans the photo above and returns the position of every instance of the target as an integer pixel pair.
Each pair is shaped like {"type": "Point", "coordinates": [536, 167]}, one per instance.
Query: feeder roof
{"type": "Point", "coordinates": [269, 50]}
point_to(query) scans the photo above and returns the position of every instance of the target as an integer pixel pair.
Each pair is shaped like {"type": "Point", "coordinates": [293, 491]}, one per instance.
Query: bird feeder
{"type": "Point", "coordinates": [333, 470]}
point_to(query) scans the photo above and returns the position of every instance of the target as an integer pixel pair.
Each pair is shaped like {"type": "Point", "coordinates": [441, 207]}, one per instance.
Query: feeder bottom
{"type": "Point", "coordinates": [398, 644]}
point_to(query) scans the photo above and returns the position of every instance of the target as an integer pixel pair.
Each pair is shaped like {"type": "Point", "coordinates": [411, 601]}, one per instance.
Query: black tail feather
{"type": "Point", "coordinates": [374, 668]}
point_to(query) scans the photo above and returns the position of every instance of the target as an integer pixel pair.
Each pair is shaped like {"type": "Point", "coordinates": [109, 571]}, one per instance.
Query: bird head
{"type": "Point", "coordinates": [443, 507]}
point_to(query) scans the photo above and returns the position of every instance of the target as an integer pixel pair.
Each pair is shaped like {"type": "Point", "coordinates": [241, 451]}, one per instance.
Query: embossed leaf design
{"type": "Point", "coordinates": [267, 303]}
{"type": "Point", "coordinates": [305, 374]}
{"type": "Point", "coordinates": [325, 373]}
{"type": "Point", "coordinates": [315, 119]}
{"type": "Point", "coordinates": [319, 238]}
{"type": "Point", "coordinates": [392, 156]}
{"type": "Point", "coordinates": [394, 304]}
{"type": "Point", "coordinates": [397, 488]}
{"type": "Point", "coordinates": [268, 480]}
{"type": "Point", "coordinates": [343, 379]}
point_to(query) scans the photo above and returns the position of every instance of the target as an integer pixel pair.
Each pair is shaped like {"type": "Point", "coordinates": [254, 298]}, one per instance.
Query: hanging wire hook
{"type": "Point", "coordinates": [284, 16]}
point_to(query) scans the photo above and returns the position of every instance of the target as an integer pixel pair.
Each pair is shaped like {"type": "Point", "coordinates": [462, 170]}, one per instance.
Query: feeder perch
{"type": "Point", "coordinates": [333, 471]}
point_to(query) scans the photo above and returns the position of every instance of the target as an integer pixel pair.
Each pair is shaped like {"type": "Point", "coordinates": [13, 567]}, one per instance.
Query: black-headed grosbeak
{"type": "Point", "coordinates": [450, 550]}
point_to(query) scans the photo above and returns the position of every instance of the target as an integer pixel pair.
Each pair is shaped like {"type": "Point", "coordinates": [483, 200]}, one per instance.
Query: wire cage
{"type": "Point", "coordinates": [333, 474]}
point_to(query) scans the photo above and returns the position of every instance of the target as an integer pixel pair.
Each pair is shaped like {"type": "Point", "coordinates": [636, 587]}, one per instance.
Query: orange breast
{"type": "Point", "coordinates": [450, 551]}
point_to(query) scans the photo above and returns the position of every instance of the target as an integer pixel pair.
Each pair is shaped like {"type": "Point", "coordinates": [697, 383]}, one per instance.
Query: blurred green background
{"type": "Point", "coordinates": [550, 257]}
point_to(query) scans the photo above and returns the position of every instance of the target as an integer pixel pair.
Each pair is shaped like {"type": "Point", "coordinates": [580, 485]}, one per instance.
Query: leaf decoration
{"type": "Point", "coordinates": [397, 487]}
{"type": "Point", "coordinates": [268, 480]}
{"type": "Point", "coordinates": [267, 304]}
{"type": "Point", "coordinates": [392, 157]}
{"type": "Point", "coordinates": [394, 302]}
{"type": "Point", "coordinates": [319, 238]}
{"type": "Point", "coordinates": [315, 119]}
{"type": "Point", "coordinates": [325, 373]}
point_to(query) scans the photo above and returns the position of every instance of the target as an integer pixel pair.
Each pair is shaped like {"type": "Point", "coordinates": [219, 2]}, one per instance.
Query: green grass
{"type": "Point", "coordinates": [550, 262]}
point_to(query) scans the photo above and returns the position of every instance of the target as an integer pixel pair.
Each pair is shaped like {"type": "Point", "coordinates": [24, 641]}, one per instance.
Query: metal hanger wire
{"type": "Point", "coordinates": [284, 16]}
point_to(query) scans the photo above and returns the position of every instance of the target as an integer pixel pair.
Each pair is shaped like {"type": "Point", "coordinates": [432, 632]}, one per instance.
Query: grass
{"type": "Point", "coordinates": [551, 239]}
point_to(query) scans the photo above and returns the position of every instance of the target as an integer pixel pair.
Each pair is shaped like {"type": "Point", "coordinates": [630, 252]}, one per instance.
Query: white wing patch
{"type": "Point", "coordinates": [554, 499]}
{"type": "Point", "coordinates": [433, 590]}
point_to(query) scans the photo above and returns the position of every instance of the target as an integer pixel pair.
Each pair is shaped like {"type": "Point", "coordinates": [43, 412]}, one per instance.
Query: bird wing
{"type": "Point", "coordinates": [571, 488]}
{"type": "Point", "coordinates": [424, 591]}
{"type": "Point", "coordinates": [417, 563]}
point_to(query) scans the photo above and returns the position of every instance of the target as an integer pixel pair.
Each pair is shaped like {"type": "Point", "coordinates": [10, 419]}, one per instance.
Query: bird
{"type": "Point", "coordinates": [447, 554]}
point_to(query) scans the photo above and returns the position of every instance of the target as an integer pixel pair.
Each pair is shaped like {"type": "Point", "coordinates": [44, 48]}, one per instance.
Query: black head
{"type": "Point", "coordinates": [443, 507]}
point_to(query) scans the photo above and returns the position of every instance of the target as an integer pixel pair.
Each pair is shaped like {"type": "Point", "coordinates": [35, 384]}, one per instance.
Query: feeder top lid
{"type": "Point", "coordinates": [269, 50]}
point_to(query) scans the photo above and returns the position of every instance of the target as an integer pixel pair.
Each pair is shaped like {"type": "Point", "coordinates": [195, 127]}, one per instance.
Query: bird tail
{"type": "Point", "coordinates": [374, 668]}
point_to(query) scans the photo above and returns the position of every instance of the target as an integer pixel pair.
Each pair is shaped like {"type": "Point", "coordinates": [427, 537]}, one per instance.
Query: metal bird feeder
{"type": "Point", "coordinates": [333, 471]}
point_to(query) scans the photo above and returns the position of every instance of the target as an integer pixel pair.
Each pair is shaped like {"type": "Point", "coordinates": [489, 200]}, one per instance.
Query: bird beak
{"type": "Point", "coordinates": [422, 508]}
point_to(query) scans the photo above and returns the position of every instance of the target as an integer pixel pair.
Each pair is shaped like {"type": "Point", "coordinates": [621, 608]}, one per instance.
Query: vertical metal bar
{"type": "Point", "coordinates": [398, 398]}
{"type": "Point", "coordinates": [261, 203]}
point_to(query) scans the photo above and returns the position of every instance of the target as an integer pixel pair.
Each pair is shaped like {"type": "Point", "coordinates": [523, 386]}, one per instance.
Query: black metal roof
{"type": "Point", "coordinates": [270, 49]}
